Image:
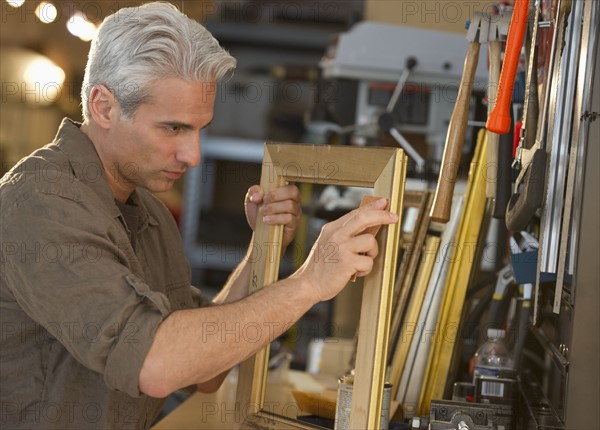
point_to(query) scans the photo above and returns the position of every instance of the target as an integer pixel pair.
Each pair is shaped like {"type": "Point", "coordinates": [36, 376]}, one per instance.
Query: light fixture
{"type": "Point", "coordinates": [15, 3]}
{"type": "Point", "coordinates": [46, 77]}
{"type": "Point", "coordinates": [31, 78]}
{"type": "Point", "coordinates": [46, 12]}
{"type": "Point", "coordinates": [78, 25]}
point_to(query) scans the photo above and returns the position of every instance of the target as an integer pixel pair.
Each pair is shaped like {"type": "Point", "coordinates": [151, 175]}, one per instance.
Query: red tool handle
{"type": "Point", "coordinates": [500, 118]}
{"type": "Point", "coordinates": [516, 137]}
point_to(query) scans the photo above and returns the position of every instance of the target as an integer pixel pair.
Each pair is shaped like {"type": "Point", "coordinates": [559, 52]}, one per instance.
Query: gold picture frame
{"type": "Point", "coordinates": [383, 170]}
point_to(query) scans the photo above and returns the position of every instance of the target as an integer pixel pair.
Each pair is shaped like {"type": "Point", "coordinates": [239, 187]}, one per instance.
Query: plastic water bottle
{"type": "Point", "coordinates": [492, 357]}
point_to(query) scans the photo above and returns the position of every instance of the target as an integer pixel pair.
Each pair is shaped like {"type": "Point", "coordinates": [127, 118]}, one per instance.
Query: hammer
{"type": "Point", "coordinates": [498, 31]}
{"type": "Point", "coordinates": [440, 211]}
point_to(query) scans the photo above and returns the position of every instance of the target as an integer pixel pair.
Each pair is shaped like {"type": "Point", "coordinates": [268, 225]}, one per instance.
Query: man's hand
{"type": "Point", "coordinates": [280, 206]}
{"type": "Point", "coordinates": [344, 249]}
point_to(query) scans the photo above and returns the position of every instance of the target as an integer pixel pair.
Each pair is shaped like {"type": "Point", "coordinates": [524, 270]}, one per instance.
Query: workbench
{"type": "Point", "coordinates": [217, 411]}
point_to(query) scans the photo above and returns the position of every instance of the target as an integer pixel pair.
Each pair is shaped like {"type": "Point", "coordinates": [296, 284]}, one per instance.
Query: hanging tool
{"type": "Point", "coordinates": [504, 175]}
{"type": "Point", "coordinates": [440, 211]}
{"type": "Point", "coordinates": [521, 207]}
{"type": "Point", "coordinates": [499, 120]}
{"type": "Point", "coordinates": [529, 186]}
{"type": "Point", "coordinates": [498, 31]}
{"type": "Point", "coordinates": [551, 141]}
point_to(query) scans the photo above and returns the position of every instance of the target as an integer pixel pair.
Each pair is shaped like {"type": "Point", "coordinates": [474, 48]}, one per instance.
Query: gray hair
{"type": "Point", "coordinates": [138, 45]}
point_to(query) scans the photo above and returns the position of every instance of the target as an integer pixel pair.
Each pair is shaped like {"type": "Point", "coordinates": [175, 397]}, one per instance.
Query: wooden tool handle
{"type": "Point", "coordinates": [499, 120]}
{"type": "Point", "coordinates": [495, 52]}
{"type": "Point", "coordinates": [457, 129]}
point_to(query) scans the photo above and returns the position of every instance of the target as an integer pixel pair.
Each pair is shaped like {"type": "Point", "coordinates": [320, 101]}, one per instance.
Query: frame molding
{"type": "Point", "coordinates": [383, 170]}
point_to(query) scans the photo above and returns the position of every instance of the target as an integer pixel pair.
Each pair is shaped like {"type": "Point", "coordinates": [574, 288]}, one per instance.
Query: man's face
{"type": "Point", "coordinates": [161, 140]}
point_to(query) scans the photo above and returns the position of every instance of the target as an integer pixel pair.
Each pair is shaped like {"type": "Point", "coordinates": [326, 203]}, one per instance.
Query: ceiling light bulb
{"type": "Point", "coordinates": [15, 3]}
{"type": "Point", "coordinates": [78, 25]}
{"type": "Point", "coordinates": [46, 12]}
{"type": "Point", "coordinates": [43, 72]}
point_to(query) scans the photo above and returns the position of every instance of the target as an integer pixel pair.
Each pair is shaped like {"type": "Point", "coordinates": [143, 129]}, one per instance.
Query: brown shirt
{"type": "Point", "coordinates": [81, 295]}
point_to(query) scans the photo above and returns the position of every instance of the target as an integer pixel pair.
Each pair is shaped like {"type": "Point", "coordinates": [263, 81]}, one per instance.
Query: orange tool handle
{"type": "Point", "coordinates": [457, 129]}
{"type": "Point", "coordinates": [500, 119]}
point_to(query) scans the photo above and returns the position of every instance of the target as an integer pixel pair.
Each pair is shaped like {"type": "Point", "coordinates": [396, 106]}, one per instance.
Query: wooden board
{"type": "Point", "coordinates": [411, 246]}
{"type": "Point", "coordinates": [409, 322]}
{"type": "Point", "coordinates": [415, 367]}
{"type": "Point", "coordinates": [440, 358]}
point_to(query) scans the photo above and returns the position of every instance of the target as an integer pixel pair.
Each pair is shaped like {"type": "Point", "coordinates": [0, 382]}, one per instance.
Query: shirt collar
{"type": "Point", "coordinates": [88, 169]}
{"type": "Point", "coordinates": [145, 216]}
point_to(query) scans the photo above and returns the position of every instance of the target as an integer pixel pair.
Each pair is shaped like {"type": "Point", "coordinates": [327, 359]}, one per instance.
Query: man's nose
{"type": "Point", "coordinates": [189, 151]}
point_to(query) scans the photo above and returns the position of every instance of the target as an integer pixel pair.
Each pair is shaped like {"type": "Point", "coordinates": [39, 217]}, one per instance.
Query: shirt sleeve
{"type": "Point", "coordinates": [199, 299]}
{"type": "Point", "coordinates": [64, 265]}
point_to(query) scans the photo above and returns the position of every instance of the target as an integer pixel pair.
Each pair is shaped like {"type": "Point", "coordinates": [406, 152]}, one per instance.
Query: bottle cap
{"type": "Point", "coordinates": [495, 333]}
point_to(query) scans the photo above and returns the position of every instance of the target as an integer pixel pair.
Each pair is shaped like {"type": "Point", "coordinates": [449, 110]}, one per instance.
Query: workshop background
{"type": "Point", "coordinates": [291, 85]}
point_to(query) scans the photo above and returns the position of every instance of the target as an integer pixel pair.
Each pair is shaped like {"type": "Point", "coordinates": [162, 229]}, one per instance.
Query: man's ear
{"type": "Point", "coordinates": [103, 106]}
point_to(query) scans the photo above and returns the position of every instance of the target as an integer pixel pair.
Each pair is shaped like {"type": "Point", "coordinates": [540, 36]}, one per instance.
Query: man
{"type": "Point", "coordinates": [99, 321]}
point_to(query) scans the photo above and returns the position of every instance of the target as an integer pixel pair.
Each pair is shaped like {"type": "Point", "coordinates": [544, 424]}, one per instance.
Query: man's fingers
{"type": "Point", "coordinates": [284, 207]}
{"type": "Point", "coordinates": [364, 244]}
{"type": "Point", "coordinates": [377, 204]}
{"type": "Point", "coordinates": [364, 265]}
{"type": "Point", "coordinates": [278, 219]}
{"type": "Point", "coordinates": [366, 217]}
{"type": "Point", "coordinates": [288, 192]}
{"type": "Point", "coordinates": [254, 194]}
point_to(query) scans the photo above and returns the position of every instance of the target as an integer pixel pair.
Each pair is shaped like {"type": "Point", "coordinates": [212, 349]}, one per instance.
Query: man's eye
{"type": "Point", "coordinates": [172, 128]}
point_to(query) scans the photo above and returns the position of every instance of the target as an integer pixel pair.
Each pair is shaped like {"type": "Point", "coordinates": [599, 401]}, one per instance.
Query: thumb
{"type": "Point", "coordinates": [254, 197]}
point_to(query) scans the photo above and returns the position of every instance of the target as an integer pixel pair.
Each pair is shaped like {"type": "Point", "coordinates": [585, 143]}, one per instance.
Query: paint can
{"type": "Point", "coordinates": [344, 404]}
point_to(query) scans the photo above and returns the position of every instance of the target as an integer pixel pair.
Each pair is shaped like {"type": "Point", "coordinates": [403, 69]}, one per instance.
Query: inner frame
{"type": "Point", "coordinates": [383, 170]}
